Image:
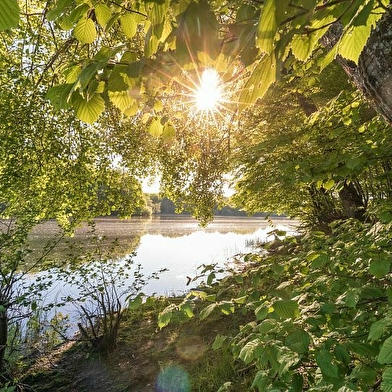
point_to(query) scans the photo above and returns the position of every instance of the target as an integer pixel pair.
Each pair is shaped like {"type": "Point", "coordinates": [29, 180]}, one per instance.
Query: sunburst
{"type": "Point", "coordinates": [208, 95]}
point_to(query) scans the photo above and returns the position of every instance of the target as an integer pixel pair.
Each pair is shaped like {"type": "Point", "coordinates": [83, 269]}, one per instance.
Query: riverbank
{"type": "Point", "coordinates": [142, 356]}
{"type": "Point", "coordinates": [146, 355]}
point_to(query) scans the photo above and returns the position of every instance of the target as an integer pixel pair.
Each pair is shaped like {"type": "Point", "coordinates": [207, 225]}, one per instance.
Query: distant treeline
{"type": "Point", "coordinates": [156, 205]}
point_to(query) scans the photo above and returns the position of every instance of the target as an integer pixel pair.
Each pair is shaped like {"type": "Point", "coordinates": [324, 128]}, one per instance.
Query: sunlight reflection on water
{"type": "Point", "coordinates": [182, 246]}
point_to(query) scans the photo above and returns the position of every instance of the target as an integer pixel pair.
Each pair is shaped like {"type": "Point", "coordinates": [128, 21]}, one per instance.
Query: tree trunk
{"type": "Point", "coordinates": [373, 75]}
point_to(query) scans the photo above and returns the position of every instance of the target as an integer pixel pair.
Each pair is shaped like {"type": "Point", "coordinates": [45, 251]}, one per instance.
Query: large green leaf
{"type": "Point", "coordinates": [298, 341]}
{"type": "Point", "coordinates": [103, 14]}
{"type": "Point", "coordinates": [355, 36]}
{"type": "Point", "coordinates": [156, 10]}
{"type": "Point", "coordinates": [85, 31]}
{"type": "Point", "coordinates": [386, 384]}
{"type": "Point", "coordinates": [128, 25]}
{"type": "Point", "coordinates": [259, 82]}
{"type": "Point", "coordinates": [378, 328]}
{"type": "Point", "coordinates": [251, 350]}
{"type": "Point", "coordinates": [380, 267]}
{"type": "Point", "coordinates": [9, 14]}
{"type": "Point", "coordinates": [90, 110]}
{"type": "Point", "coordinates": [324, 361]}
{"type": "Point", "coordinates": [59, 95]}
{"type": "Point", "coordinates": [121, 99]}
{"type": "Point", "coordinates": [385, 355]}
{"type": "Point", "coordinates": [272, 15]}
{"type": "Point", "coordinates": [286, 308]}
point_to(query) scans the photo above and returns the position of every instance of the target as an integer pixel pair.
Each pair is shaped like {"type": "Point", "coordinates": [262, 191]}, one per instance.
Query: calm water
{"type": "Point", "coordinates": [176, 243]}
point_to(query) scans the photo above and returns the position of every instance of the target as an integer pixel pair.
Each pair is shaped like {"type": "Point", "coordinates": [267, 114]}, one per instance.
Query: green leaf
{"type": "Point", "coordinates": [342, 354]}
{"type": "Point", "coordinates": [169, 133]}
{"type": "Point", "coordinates": [362, 349]}
{"type": "Point", "coordinates": [328, 184]}
{"type": "Point", "coordinates": [136, 302]}
{"type": "Point", "coordinates": [261, 312]}
{"type": "Point", "coordinates": [155, 128]}
{"type": "Point", "coordinates": [385, 355]}
{"type": "Point", "coordinates": [258, 83]}
{"type": "Point", "coordinates": [103, 14]}
{"type": "Point", "coordinates": [351, 298]}
{"type": "Point", "coordinates": [89, 110]}
{"type": "Point", "coordinates": [298, 341]}
{"type": "Point", "coordinates": [165, 316]}
{"type": "Point", "coordinates": [380, 267]}
{"type": "Point", "coordinates": [207, 310]}
{"type": "Point", "coordinates": [251, 350]}
{"type": "Point", "coordinates": [121, 99]}
{"type": "Point", "coordinates": [218, 342]}
{"type": "Point", "coordinates": [324, 361]}
{"type": "Point", "coordinates": [272, 14]}
{"type": "Point", "coordinates": [386, 384]}
{"type": "Point", "coordinates": [354, 37]}
{"type": "Point", "coordinates": [261, 381]}
{"type": "Point", "coordinates": [128, 25]}
{"type": "Point", "coordinates": [302, 46]}
{"type": "Point", "coordinates": [59, 95]}
{"type": "Point", "coordinates": [187, 309]}
{"type": "Point", "coordinates": [61, 5]}
{"type": "Point", "coordinates": [286, 308]}
{"type": "Point", "coordinates": [85, 31]}
{"type": "Point", "coordinates": [378, 328]}
{"type": "Point", "coordinates": [156, 10]}
{"type": "Point", "coordinates": [9, 14]}
{"type": "Point", "coordinates": [297, 383]}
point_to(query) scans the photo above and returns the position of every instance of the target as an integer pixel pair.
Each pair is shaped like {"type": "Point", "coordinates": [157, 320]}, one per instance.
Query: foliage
{"type": "Point", "coordinates": [317, 321]}
{"type": "Point", "coordinates": [121, 45]}
{"type": "Point", "coordinates": [100, 289]}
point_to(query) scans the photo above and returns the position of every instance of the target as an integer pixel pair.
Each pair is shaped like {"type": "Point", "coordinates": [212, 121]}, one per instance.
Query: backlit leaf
{"type": "Point", "coordinates": [121, 99]}
{"type": "Point", "coordinates": [156, 10]}
{"type": "Point", "coordinates": [258, 83]}
{"type": "Point", "coordinates": [9, 14]}
{"type": "Point", "coordinates": [356, 35]}
{"type": "Point", "coordinates": [90, 110]}
{"type": "Point", "coordinates": [103, 14]}
{"type": "Point", "coordinates": [128, 25]}
{"type": "Point", "coordinates": [207, 311]}
{"type": "Point", "coordinates": [155, 128]}
{"type": "Point", "coordinates": [165, 316]}
{"type": "Point", "coordinates": [271, 17]}
{"type": "Point", "coordinates": [85, 31]}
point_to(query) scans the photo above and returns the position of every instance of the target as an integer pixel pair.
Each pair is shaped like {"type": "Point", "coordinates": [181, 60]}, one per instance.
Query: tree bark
{"type": "Point", "coordinates": [373, 75]}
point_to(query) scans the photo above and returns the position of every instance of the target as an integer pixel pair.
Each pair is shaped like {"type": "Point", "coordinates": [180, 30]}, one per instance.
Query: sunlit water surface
{"type": "Point", "coordinates": [177, 244]}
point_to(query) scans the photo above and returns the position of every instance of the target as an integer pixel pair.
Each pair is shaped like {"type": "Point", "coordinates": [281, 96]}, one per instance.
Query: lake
{"type": "Point", "coordinates": [176, 243]}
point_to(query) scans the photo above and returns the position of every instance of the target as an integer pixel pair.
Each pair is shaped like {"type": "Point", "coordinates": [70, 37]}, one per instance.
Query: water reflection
{"type": "Point", "coordinates": [175, 243]}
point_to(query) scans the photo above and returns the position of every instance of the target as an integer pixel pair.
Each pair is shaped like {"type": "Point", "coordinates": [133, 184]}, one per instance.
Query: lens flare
{"type": "Point", "coordinates": [173, 379]}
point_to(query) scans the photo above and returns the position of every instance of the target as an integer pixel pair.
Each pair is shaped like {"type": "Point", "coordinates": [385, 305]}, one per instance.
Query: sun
{"type": "Point", "coordinates": [209, 92]}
